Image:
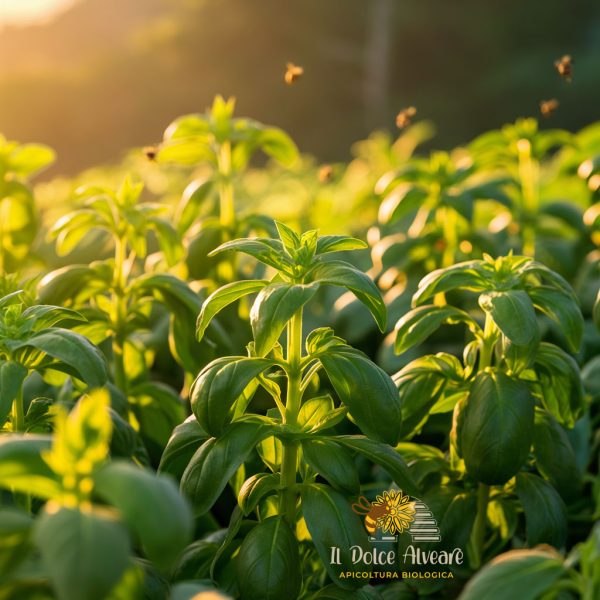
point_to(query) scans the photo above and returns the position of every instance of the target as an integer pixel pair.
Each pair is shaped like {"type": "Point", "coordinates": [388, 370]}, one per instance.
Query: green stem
{"type": "Point", "coordinates": [450, 236]}
{"type": "Point", "coordinates": [226, 208]}
{"type": "Point", "coordinates": [528, 175]}
{"type": "Point", "coordinates": [489, 338]}
{"type": "Point", "coordinates": [483, 492]}
{"type": "Point", "coordinates": [18, 413]}
{"type": "Point", "coordinates": [287, 498]}
{"type": "Point", "coordinates": [119, 313]}
{"type": "Point", "coordinates": [483, 496]}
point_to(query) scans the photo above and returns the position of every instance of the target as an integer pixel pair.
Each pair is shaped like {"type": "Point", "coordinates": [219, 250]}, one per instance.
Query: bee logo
{"type": "Point", "coordinates": [292, 73]}
{"type": "Point", "coordinates": [392, 513]}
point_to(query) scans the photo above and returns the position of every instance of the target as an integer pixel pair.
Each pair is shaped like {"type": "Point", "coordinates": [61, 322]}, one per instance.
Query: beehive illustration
{"type": "Point", "coordinates": [424, 527]}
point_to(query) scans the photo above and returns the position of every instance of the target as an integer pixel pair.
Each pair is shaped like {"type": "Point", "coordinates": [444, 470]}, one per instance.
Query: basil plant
{"type": "Point", "coordinates": [290, 468]}
{"type": "Point", "coordinates": [512, 394]}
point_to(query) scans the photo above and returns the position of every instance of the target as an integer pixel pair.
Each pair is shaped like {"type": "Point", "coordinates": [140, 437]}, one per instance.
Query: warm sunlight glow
{"type": "Point", "coordinates": [24, 12]}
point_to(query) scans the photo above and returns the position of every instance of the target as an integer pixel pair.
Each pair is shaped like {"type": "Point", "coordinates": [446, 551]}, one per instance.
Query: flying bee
{"type": "Point", "coordinates": [325, 173]}
{"type": "Point", "coordinates": [547, 107]}
{"type": "Point", "coordinates": [564, 66]}
{"type": "Point", "coordinates": [292, 73]}
{"type": "Point", "coordinates": [372, 512]}
{"type": "Point", "coordinates": [150, 152]}
{"type": "Point", "coordinates": [405, 116]}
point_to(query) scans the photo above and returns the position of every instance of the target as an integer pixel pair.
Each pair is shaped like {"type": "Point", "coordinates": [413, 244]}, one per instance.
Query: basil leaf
{"type": "Point", "coordinates": [331, 522]}
{"type": "Point", "coordinates": [219, 385]}
{"type": "Point", "coordinates": [343, 274]}
{"type": "Point", "coordinates": [217, 460]}
{"type": "Point", "coordinates": [268, 563]}
{"type": "Point", "coordinates": [418, 324]}
{"type": "Point", "coordinates": [497, 427]}
{"type": "Point", "coordinates": [84, 553]}
{"type": "Point", "coordinates": [545, 512]}
{"type": "Point", "coordinates": [274, 306]}
{"type": "Point", "coordinates": [333, 462]}
{"type": "Point", "coordinates": [523, 574]}
{"type": "Point", "coordinates": [224, 296]}
{"type": "Point", "coordinates": [367, 391]}
{"type": "Point", "coordinates": [513, 313]}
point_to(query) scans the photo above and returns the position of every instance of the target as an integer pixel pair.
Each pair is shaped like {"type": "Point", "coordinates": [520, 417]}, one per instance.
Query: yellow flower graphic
{"type": "Point", "coordinates": [399, 512]}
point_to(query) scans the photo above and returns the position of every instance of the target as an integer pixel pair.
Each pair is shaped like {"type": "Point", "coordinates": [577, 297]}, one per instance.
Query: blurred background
{"type": "Point", "coordinates": [92, 78]}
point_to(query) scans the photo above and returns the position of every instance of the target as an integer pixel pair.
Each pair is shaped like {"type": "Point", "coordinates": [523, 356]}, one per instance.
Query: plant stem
{"type": "Point", "coordinates": [119, 313]}
{"type": "Point", "coordinates": [483, 496]}
{"type": "Point", "coordinates": [287, 498]}
{"type": "Point", "coordinates": [226, 268]}
{"type": "Point", "coordinates": [528, 174]}
{"type": "Point", "coordinates": [483, 492]}
{"type": "Point", "coordinates": [18, 413]}
{"type": "Point", "coordinates": [489, 331]}
{"type": "Point", "coordinates": [449, 228]}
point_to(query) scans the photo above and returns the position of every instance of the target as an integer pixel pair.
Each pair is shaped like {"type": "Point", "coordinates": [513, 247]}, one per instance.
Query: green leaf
{"type": "Point", "coordinates": [72, 349]}
{"type": "Point", "coordinates": [168, 240]}
{"type": "Point", "coordinates": [331, 522]}
{"type": "Point", "coordinates": [12, 376]}
{"type": "Point", "coordinates": [404, 198]}
{"type": "Point", "coordinates": [223, 297]}
{"type": "Point", "coordinates": [174, 293]}
{"type": "Point", "coordinates": [255, 489]}
{"type": "Point", "coordinates": [367, 391]}
{"type": "Point", "coordinates": [29, 159]}
{"type": "Point", "coordinates": [523, 574]}
{"type": "Point", "coordinates": [344, 275]}
{"type": "Point", "coordinates": [333, 462]}
{"type": "Point", "coordinates": [22, 467]}
{"type": "Point", "coordinates": [421, 384]}
{"type": "Point", "coordinates": [289, 238]}
{"type": "Point", "coordinates": [84, 553]}
{"type": "Point", "coordinates": [545, 512]}
{"type": "Point", "coordinates": [194, 196]}
{"type": "Point", "coordinates": [217, 460]}
{"type": "Point", "coordinates": [151, 506]}
{"type": "Point", "coordinates": [384, 456]}
{"type": "Point", "coordinates": [314, 412]}
{"type": "Point", "coordinates": [560, 381]}
{"type": "Point", "coordinates": [339, 243]}
{"type": "Point", "coordinates": [513, 313]}
{"type": "Point", "coordinates": [554, 455]}
{"type": "Point", "coordinates": [279, 145]}
{"type": "Point", "coordinates": [184, 441]}
{"type": "Point", "coordinates": [219, 385]}
{"type": "Point", "coordinates": [274, 306]}
{"type": "Point", "coordinates": [418, 324]}
{"type": "Point", "coordinates": [497, 427]}
{"type": "Point", "coordinates": [15, 531]}
{"type": "Point", "coordinates": [268, 251]}
{"type": "Point", "coordinates": [563, 310]}
{"type": "Point", "coordinates": [268, 563]}
{"type": "Point", "coordinates": [466, 275]}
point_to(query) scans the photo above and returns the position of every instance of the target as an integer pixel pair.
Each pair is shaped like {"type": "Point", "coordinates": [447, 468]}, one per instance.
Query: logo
{"type": "Point", "coordinates": [394, 512]}
{"type": "Point", "coordinates": [388, 556]}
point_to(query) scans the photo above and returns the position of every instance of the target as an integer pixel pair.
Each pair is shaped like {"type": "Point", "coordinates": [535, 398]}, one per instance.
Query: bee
{"type": "Point", "coordinates": [564, 66]}
{"type": "Point", "coordinates": [372, 512]}
{"type": "Point", "coordinates": [150, 152]}
{"type": "Point", "coordinates": [405, 116]}
{"type": "Point", "coordinates": [547, 107]}
{"type": "Point", "coordinates": [325, 173]}
{"type": "Point", "coordinates": [292, 73]}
